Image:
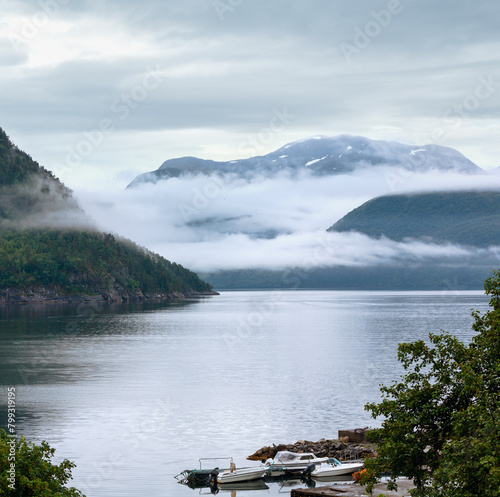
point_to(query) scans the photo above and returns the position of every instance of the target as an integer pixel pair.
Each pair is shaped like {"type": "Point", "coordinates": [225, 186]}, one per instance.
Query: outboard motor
{"type": "Point", "coordinates": [309, 469]}
{"type": "Point", "coordinates": [213, 476]}
{"type": "Point", "coordinates": [214, 489]}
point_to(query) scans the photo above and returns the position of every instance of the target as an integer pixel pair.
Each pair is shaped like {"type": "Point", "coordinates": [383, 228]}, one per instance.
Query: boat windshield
{"type": "Point", "coordinates": [285, 457]}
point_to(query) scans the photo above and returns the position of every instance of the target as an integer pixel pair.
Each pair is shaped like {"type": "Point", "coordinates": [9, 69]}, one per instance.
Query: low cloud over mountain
{"type": "Point", "coordinates": [278, 218]}
{"type": "Point", "coordinates": [321, 156]}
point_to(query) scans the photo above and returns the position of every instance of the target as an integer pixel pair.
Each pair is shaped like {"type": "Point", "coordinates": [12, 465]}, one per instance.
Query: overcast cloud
{"type": "Point", "coordinates": [162, 79]}
{"type": "Point", "coordinates": [100, 91]}
{"type": "Point", "coordinates": [209, 223]}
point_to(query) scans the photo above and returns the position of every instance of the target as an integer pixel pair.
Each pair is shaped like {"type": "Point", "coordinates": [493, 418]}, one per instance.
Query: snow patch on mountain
{"type": "Point", "coordinates": [311, 162]}
{"type": "Point", "coordinates": [323, 156]}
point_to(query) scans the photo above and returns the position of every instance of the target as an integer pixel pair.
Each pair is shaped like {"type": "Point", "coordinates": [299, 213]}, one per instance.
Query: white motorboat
{"type": "Point", "coordinates": [234, 475]}
{"type": "Point", "coordinates": [292, 462]}
{"type": "Point", "coordinates": [336, 468]}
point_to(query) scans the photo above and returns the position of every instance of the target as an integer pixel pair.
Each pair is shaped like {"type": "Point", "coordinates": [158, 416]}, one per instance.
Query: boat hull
{"type": "Point", "coordinates": [338, 470]}
{"type": "Point", "coordinates": [241, 475]}
{"type": "Point", "coordinates": [277, 468]}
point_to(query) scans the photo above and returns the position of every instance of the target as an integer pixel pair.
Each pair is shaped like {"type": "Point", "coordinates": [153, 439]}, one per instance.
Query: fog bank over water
{"type": "Point", "coordinates": [211, 223]}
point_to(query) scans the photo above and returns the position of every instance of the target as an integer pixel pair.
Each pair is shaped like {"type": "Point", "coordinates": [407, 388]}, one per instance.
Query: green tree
{"type": "Point", "coordinates": [441, 424]}
{"type": "Point", "coordinates": [35, 475]}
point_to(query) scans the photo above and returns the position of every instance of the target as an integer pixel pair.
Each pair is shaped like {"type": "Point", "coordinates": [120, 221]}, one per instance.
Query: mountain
{"type": "Point", "coordinates": [30, 195]}
{"type": "Point", "coordinates": [442, 277]}
{"type": "Point", "coordinates": [322, 156]}
{"type": "Point", "coordinates": [64, 265]}
{"type": "Point", "coordinates": [466, 217]}
{"type": "Point", "coordinates": [49, 250]}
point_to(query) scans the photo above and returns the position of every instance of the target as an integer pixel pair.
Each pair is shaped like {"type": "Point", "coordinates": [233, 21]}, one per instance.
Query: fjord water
{"type": "Point", "coordinates": [136, 393]}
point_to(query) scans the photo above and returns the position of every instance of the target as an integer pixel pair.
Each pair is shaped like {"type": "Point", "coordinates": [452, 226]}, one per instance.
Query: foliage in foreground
{"type": "Point", "coordinates": [442, 419]}
{"type": "Point", "coordinates": [35, 475]}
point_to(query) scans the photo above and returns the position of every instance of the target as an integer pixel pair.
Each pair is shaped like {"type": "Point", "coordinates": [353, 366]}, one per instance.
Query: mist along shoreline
{"type": "Point", "coordinates": [47, 295]}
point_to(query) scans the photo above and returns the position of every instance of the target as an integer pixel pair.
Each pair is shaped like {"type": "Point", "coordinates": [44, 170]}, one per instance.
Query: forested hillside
{"type": "Point", "coordinates": [49, 250]}
{"type": "Point", "coordinates": [467, 218]}
{"type": "Point", "coordinates": [30, 196]}
{"type": "Point", "coordinates": [17, 167]}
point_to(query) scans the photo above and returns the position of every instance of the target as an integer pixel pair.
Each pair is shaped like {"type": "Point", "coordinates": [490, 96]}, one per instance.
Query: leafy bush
{"type": "Point", "coordinates": [441, 423]}
{"type": "Point", "coordinates": [26, 470]}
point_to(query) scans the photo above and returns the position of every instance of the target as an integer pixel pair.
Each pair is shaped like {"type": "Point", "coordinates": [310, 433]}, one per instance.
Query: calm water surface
{"type": "Point", "coordinates": [134, 394]}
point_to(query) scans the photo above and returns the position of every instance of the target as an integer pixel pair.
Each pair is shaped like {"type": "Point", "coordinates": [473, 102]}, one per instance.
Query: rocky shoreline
{"type": "Point", "coordinates": [342, 448]}
{"type": "Point", "coordinates": [47, 295]}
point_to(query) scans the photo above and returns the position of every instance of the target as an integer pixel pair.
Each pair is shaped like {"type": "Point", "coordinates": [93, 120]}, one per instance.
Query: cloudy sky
{"type": "Point", "coordinates": [101, 90]}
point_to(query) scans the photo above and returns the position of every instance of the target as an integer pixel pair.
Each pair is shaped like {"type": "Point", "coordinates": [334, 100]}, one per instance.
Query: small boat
{"type": "Point", "coordinates": [234, 475]}
{"type": "Point", "coordinates": [336, 468]}
{"type": "Point", "coordinates": [292, 462]}
{"type": "Point", "coordinates": [198, 478]}
{"type": "Point", "coordinates": [203, 477]}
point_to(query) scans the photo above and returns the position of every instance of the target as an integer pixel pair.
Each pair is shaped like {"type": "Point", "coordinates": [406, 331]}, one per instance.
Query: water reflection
{"type": "Point", "coordinates": [84, 309]}
{"type": "Point", "coordinates": [276, 484]}
{"type": "Point", "coordinates": [42, 343]}
{"type": "Point", "coordinates": [155, 386]}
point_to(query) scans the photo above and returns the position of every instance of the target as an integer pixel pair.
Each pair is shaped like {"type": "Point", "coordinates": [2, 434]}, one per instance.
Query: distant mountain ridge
{"type": "Point", "coordinates": [49, 250]}
{"type": "Point", "coordinates": [322, 156]}
{"type": "Point", "coordinates": [440, 277]}
{"type": "Point", "coordinates": [464, 217]}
